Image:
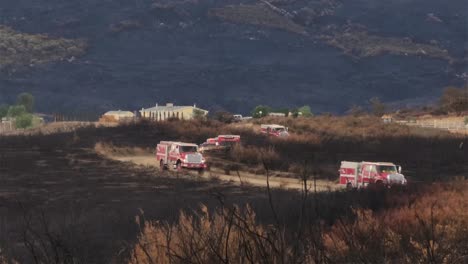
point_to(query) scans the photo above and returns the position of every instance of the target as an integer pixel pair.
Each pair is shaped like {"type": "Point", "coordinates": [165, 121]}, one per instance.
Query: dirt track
{"type": "Point", "coordinates": [244, 178]}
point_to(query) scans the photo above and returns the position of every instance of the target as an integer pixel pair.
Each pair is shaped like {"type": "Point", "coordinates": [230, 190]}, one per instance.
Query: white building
{"type": "Point", "coordinates": [119, 115]}
{"type": "Point", "coordinates": [277, 114]}
{"type": "Point", "coordinates": [171, 111]}
{"type": "Point", "coordinates": [387, 119]}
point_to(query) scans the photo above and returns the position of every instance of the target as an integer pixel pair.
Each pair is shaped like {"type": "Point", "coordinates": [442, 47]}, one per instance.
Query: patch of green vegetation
{"type": "Point", "coordinates": [19, 49]}
{"type": "Point", "coordinates": [261, 111]}
{"type": "Point", "coordinates": [22, 112]}
{"type": "Point", "coordinates": [358, 43]}
{"type": "Point", "coordinates": [24, 120]}
{"type": "Point", "coordinates": [16, 110]}
{"type": "Point", "coordinates": [3, 110]}
{"type": "Point", "coordinates": [257, 14]}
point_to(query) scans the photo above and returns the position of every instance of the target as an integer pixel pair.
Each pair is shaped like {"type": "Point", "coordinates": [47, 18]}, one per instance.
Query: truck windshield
{"type": "Point", "coordinates": [387, 169]}
{"type": "Point", "coordinates": [188, 149]}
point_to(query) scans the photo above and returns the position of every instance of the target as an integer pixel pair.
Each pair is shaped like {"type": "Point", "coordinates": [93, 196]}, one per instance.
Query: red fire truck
{"type": "Point", "coordinates": [220, 142]}
{"type": "Point", "coordinates": [361, 174]}
{"type": "Point", "coordinates": [227, 140]}
{"type": "Point", "coordinates": [274, 130]}
{"type": "Point", "coordinates": [179, 155]}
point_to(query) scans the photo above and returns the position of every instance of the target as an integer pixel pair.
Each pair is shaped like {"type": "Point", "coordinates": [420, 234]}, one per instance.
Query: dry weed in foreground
{"type": "Point", "coordinates": [431, 227]}
{"type": "Point", "coordinates": [5, 260]}
{"type": "Point", "coordinates": [228, 236]}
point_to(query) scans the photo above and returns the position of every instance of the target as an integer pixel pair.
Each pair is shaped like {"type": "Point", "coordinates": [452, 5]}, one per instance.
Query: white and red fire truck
{"type": "Point", "coordinates": [274, 130]}
{"type": "Point", "coordinates": [361, 174]}
{"type": "Point", "coordinates": [220, 142]}
{"type": "Point", "coordinates": [179, 155]}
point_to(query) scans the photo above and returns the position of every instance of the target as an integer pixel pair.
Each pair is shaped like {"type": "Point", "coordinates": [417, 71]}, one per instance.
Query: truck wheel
{"type": "Point", "coordinates": [349, 186]}
{"type": "Point", "coordinates": [162, 167]}
{"type": "Point", "coordinates": [379, 185]}
{"type": "Point", "coordinates": [179, 166]}
{"type": "Point", "coordinates": [201, 172]}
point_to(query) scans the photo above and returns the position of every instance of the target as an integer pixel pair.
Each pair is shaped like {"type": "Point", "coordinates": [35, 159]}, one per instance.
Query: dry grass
{"type": "Point", "coordinates": [251, 155]}
{"type": "Point", "coordinates": [6, 260]}
{"type": "Point", "coordinates": [425, 154]}
{"type": "Point", "coordinates": [228, 235]}
{"type": "Point", "coordinates": [324, 141]}
{"type": "Point", "coordinates": [425, 226]}
{"type": "Point", "coordinates": [107, 149]}
{"type": "Point", "coordinates": [318, 128]}
{"type": "Point", "coordinates": [432, 228]}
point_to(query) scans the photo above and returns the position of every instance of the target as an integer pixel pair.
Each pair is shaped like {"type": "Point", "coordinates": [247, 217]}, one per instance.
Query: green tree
{"type": "Point", "coordinates": [26, 100]}
{"type": "Point", "coordinates": [24, 120]}
{"type": "Point", "coordinates": [3, 111]}
{"type": "Point", "coordinates": [16, 110]}
{"type": "Point", "coordinates": [199, 114]}
{"type": "Point", "coordinates": [261, 111]}
{"type": "Point", "coordinates": [285, 111]}
{"type": "Point", "coordinates": [305, 111]}
{"type": "Point", "coordinates": [378, 108]}
{"type": "Point", "coordinates": [295, 112]}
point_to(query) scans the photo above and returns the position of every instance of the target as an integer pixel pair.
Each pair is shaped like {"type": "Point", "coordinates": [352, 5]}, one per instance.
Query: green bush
{"type": "Point", "coordinates": [26, 100]}
{"type": "Point", "coordinates": [3, 111]}
{"type": "Point", "coordinates": [305, 111]}
{"type": "Point", "coordinates": [24, 121]}
{"type": "Point", "coordinates": [16, 110]}
{"type": "Point", "coordinates": [261, 111]}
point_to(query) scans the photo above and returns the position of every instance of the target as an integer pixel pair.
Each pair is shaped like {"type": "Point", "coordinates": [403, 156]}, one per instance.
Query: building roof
{"type": "Point", "coordinates": [379, 163]}
{"type": "Point", "coordinates": [271, 126]}
{"type": "Point", "coordinates": [178, 143]}
{"type": "Point", "coordinates": [119, 113]}
{"type": "Point", "coordinates": [169, 107]}
{"type": "Point", "coordinates": [164, 108]}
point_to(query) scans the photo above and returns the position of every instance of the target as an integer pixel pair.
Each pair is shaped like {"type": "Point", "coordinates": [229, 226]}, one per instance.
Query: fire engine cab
{"type": "Point", "coordinates": [179, 155]}
{"type": "Point", "coordinates": [361, 174]}
{"type": "Point", "coordinates": [274, 130]}
{"type": "Point", "coordinates": [220, 142]}
{"type": "Point", "coordinates": [227, 140]}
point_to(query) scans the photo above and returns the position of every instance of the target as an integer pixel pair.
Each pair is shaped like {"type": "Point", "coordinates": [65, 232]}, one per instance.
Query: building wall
{"type": "Point", "coordinates": [181, 113]}
{"type": "Point", "coordinates": [6, 126]}
{"type": "Point", "coordinates": [120, 116]}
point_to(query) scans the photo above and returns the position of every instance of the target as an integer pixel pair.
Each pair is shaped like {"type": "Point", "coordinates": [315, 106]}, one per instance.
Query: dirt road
{"type": "Point", "coordinates": [243, 178]}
